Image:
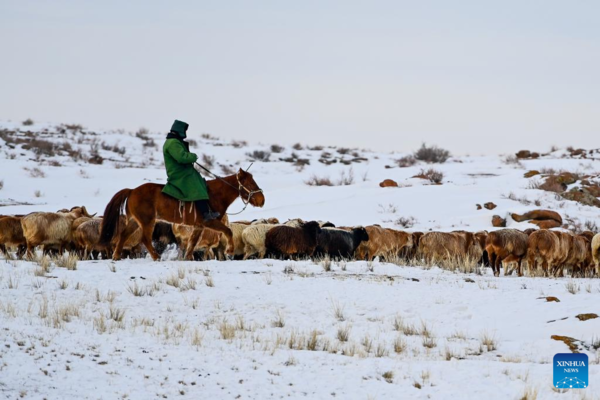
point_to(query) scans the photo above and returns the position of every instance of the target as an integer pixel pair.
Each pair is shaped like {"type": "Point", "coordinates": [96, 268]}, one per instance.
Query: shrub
{"type": "Point", "coordinates": [28, 122]}
{"type": "Point", "coordinates": [275, 148]}
{"type": "Point", "coordinates": [1, 184]}
{"type": "Point", "coordinates": [343, 150]}
{"type": "Point", "coordinates": [432, 175]}
{"type": "Point", "coordinates": [208, 136]}
{"type": "Point", "coordinates": [259, 155]}
{"type": "Point", "coordinates": [346, 178]}
{"type": "Point", "coordinates": [96, 159]}
{"type": "Point", "coordinates": [74, 127]}
{"type": "Point", "coordinates": [35, 172]}
{"type": "Point", "coordinates": [239, 143]}
{"type": "Point", "coordinates": [142, 133]}
{"type": "Point", "coordinates": [406, 222]}
{"type": "Point", "coordinates": [208, 161]}
{"type": "Point", "coordinates": [432, 154]}
{"type": "Point", "coordinates": [406, 161]}
{"type": "Point", "coordinates": [41, 147]}
{"type": "Point", "coordinates": [317, 181]}
{"type": "Point", "coordinates": [298, 146]}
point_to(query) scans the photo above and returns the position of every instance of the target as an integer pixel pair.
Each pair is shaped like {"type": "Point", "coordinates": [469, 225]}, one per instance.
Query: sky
{"type": "Point", "coordinates": [475, 77]}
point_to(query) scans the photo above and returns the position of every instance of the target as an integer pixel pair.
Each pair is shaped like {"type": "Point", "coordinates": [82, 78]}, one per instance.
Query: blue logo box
{"type": "Point", "coordinates": [571, 371]}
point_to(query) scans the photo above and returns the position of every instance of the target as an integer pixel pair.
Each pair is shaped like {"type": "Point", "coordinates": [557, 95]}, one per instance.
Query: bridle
{"type": "Point", "coordinates": [239, 188]}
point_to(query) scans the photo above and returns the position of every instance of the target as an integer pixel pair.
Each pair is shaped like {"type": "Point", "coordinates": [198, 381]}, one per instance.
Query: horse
{"type": "Point", "coordinates": [146, 203]}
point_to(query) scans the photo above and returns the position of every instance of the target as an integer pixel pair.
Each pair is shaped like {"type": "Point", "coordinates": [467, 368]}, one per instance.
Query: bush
{"type": "Point", "coordinates": [346, 178]}
{"type": "Point", "coordinates": [36, 172]}
{"type": "Point", "coordinates": [1, 184]}
{"type": "Point", "coordinates": [275, 148]}
{"type": "Point", "coordinates": [208, 161]}
{"type": "Point", "coordinates": [317, 181]}
{"type": "Point", "coordinates": [432, 154]}
{"type": "Point", "coordinates": [406, 222]}
{"type": "Point", "coordinates": [239, 143]}
{"type": "Point", "coordinates": [41, 147]}
{"type": "Point", "coordinates": [406, 161]}
{"type": "Point", "coordinates": [28, 122]}
{"type": "Point", "coordinates": [432, 175]}
{"type": "Point", "coordinates": [297, 146]}
{"type": "Point", "coordinates": [259, 155]}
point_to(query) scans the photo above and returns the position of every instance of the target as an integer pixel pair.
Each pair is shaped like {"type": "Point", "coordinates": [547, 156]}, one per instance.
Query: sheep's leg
{"type": "Point", "coordinates": [224, 229]}
{"type": "Point", "coordinates": [493, 256]}
{"type": "Point", "coordinates": [129, 229]}
{"type": "Point", "coordinates": [192, 243]}
{"type": "Point", "coordinates": [520, 266]}
{"type": "Point", "coordinates": [498, 263]}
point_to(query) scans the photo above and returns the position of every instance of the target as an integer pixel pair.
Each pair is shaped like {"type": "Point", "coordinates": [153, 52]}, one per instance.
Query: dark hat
{"type": "Point", "coordinates": [180, 127]}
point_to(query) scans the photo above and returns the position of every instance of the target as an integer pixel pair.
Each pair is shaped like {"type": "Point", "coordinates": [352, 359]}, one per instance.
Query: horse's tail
{"type": "Point", "coordinates": [111, 220]}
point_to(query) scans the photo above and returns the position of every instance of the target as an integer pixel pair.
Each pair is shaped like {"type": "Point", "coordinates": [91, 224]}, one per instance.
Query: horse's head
{"type": "Point", "coordinates": [249, 190]}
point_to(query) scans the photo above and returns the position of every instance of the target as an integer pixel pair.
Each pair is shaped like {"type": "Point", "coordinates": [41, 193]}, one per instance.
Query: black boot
{"type": "Point", "coordinates": [207, 214]}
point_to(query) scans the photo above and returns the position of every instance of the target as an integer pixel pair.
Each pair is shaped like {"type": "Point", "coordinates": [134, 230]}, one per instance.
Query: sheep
{"type": "Point", "coordinates": [338, 243]}
{"type": "Point", "coordinates": [271, 221]}
{"type": "Point", "coordinates": [43, 228]}
{"type": "Point", "coordinates": [383, 242]}
{"type": "Point", "coordinates": [208, 242]}
{"type": "Point", "coordinates": [564, 251]}
{"type": "Point", "coordinates": [238, 242]}
{"type": "Point", "coordinates": [285, 240]}
{"type": "Point", "coordinates": [596, 252]}
{"type": "Point", "coordinates": [87, 237]}
{"type": "Point", "coordinates": [254, 237]}
{"type": "Point", "coordinates": [163, 236]}
{"type": "Point", "coordinates": [449, 246]}
{"type": "Point", "coordinates": [543, 245]}
{"type": "Point", "coordinates": [579, 256]}
{"type": "Point", "coordinates": [11, 234]}
{"type": "Point", "coordinates": [506, 246]}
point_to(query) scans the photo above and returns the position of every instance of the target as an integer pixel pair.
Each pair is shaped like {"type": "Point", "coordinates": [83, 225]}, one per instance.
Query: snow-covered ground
{"type": "Point", "coordinates": [277, 329]}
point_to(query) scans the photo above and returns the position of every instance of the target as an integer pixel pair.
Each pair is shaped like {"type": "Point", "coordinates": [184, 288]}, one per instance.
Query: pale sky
{"type": "Point", "coordinates": [471, 76]}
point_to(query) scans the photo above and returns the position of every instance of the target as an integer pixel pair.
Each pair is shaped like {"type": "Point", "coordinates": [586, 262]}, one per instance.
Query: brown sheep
{"type": "Point", "coordinates": [506, 246]}
{"type": "Point", "coordinates": [565, 248]}
{"type": "Point", "coordinates": [209, 240]}
{"type": "Point", "coordinates": [450, 246]}
{"type": "Point", "coordinates": [43, 228]}
{"type": "Point", "coordinates": [87, 237]}
{"type": "Point", "coordinates": [580, 256]}
{"type": "Point", "coordinates": [383, 242]}
{"type": "Point", "coordinates": [11, 234]}
{"type": "Point", "coordinates": [543, 245]}
{"type": "Point", "coordinates": [283, 240]}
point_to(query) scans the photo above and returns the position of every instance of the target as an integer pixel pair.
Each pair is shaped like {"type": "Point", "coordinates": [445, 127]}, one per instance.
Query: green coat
{"type": "Point", "coordinates": [183, 181]}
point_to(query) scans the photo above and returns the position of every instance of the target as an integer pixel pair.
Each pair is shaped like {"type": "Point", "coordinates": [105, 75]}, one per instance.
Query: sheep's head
{"type": "Point", "coordinates": [312, 228]}
{"type": "Point", "coordinates": [360, 234]}
{"type": "Point", "coordinates": [81, 211]}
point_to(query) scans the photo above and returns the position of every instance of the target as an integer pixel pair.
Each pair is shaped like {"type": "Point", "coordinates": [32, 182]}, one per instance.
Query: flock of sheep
{"type": "Point", "coordinates": [546, 251]}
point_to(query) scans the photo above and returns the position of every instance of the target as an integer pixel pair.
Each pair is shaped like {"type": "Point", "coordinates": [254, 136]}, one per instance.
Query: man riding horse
{"type": "Point", "coordinates": [183, 181]}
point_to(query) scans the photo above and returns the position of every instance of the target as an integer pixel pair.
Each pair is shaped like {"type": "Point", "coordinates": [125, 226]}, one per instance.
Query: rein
{"type": "Point", "coordinates": [239, 188]}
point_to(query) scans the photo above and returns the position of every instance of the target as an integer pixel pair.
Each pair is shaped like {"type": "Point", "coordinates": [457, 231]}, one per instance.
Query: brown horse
{"type": "Point", "coordinates": [146, 203]}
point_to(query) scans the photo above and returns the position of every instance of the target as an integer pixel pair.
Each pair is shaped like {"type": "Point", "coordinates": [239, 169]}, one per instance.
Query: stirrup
{"type": "Point", "coordinates": [209, 216]}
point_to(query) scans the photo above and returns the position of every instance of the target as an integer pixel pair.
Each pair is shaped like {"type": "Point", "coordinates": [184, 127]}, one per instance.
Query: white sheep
{"type": "Point", "coordinates": [45, 228]}
{"type": "Point", "coordinates": [596, 251]}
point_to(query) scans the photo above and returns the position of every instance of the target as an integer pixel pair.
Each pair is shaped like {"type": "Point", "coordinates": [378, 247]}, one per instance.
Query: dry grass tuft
{"type": "Point", "coordinates": [68, 261]}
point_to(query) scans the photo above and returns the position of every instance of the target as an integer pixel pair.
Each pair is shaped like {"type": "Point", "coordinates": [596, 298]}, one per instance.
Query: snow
{"type": "Point", "coordinates": [169, 344]}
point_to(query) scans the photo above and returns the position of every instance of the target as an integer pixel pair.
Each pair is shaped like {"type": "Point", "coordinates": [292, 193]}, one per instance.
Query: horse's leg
{"type": "Point", "coordinates": [147, 230]}
{"type": "Point", "coordinates": [221, 227]}
{"type": "Point", "coordinates": [129, 229]}
{"type": "Point", "coordinates": [192, 242]}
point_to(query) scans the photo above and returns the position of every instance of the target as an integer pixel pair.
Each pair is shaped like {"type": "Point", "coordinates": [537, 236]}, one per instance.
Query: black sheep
{"type": "Point", "coordinates": [338, 243]}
